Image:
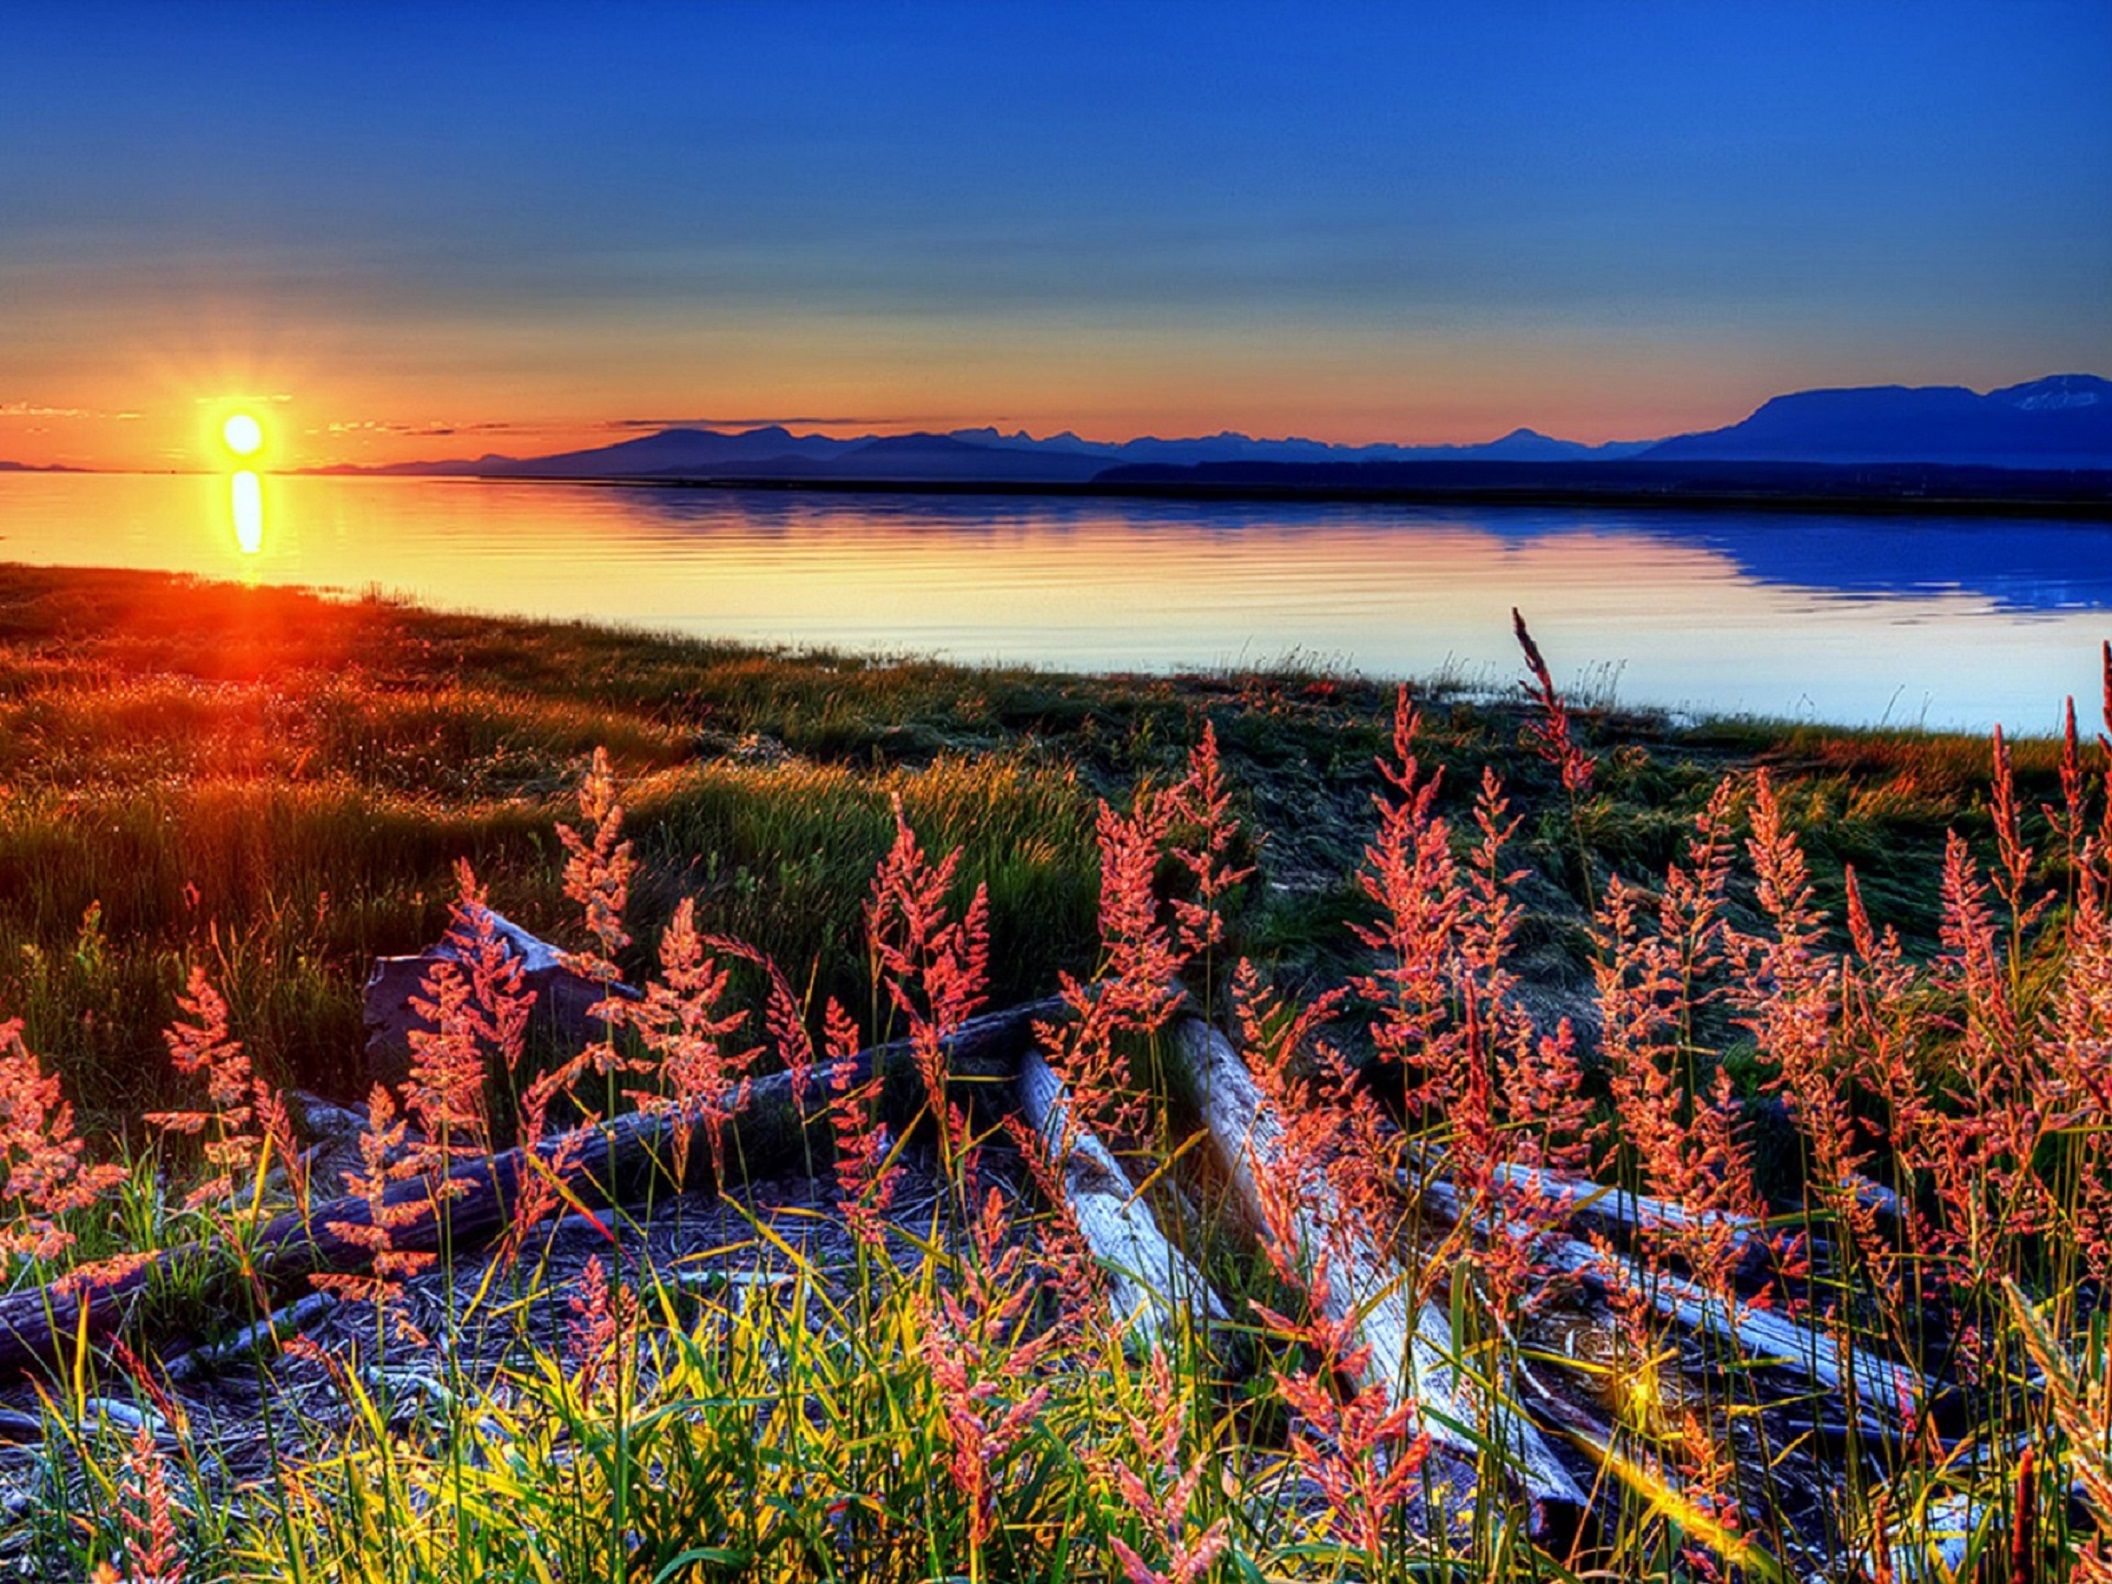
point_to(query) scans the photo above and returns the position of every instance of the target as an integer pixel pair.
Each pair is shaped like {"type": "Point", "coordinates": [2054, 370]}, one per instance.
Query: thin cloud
{"type": "Point", "coordinates": [30, 409]}
{"type": "Point", "coordinates": [392, 427]}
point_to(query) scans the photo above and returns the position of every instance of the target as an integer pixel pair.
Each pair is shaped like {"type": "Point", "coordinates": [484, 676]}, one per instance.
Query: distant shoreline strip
{"type": "Point", "coordinates": [2091, 507]}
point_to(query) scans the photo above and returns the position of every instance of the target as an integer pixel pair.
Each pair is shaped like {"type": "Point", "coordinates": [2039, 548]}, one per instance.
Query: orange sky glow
{"type": "Point", "coordinates": [370, 395]}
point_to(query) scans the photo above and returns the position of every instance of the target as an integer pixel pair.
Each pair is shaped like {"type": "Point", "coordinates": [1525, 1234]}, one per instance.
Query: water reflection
{"type": "Point", "coordinates": [246, 508]}
{"type": "Point", "coordinates": [2021, 564]}
{"type": "Point", "coordinates": [1954, 621]}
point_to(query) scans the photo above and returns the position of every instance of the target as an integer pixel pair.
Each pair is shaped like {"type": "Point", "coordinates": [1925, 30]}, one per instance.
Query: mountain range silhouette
{"type": "Point", "coordinates": [2061, 423]}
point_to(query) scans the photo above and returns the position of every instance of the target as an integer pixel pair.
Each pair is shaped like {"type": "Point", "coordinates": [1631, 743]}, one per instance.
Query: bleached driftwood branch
{"type": "Point", "coordinates": [1620, 1212]}
{"type": "Point", "coordinates": [1409, 1350]}
{"type": "Point", "coordinates": [1880, 1390]}
{"type": "Point", "coordinates": [1153, 1286]}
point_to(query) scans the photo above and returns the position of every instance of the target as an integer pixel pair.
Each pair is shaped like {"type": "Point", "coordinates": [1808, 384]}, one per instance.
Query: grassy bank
{"type": "Point", "coordinates": [904, 1367]}
{"type": "Point", "coordinates": [275, 786]}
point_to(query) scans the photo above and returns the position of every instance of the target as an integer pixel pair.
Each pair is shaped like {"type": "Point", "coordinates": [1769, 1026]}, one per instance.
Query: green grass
{"type": "Point", "coordinates": [276, 785]}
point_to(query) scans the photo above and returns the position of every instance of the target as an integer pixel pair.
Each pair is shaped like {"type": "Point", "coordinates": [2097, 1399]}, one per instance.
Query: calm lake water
{"type": "Point", "coordinates": [1947, 621]}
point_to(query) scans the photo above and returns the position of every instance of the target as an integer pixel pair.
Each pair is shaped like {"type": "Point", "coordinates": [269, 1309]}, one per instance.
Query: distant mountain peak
{"type": "Point", "coordinates": [2056, 392]}
{"type": "Point", "coordinates": [2063, 421]}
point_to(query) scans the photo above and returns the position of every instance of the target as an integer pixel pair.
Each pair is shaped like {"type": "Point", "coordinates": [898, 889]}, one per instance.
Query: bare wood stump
{"type": "Point", "coordinates": [564, 998]}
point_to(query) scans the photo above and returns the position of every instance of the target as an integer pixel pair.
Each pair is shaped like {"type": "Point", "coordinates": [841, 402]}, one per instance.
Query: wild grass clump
{"type": "Point", "coordinates": [278, 785]}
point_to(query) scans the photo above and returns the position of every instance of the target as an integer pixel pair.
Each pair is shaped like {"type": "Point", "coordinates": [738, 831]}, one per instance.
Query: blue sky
{"type": "Point", "coordinates": [1408, 222]}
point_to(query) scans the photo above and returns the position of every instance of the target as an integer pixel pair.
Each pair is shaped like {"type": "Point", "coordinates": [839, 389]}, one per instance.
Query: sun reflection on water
{"type": "Point", "coordinates": [245, 503]}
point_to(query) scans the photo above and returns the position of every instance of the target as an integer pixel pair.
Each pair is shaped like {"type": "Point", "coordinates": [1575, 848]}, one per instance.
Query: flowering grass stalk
{"type": "Point", "coordinates": [45, 1176]}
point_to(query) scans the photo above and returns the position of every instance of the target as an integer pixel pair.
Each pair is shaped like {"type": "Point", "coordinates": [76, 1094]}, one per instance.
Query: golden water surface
{"type": "Point", "coordinates": [1955, 622]}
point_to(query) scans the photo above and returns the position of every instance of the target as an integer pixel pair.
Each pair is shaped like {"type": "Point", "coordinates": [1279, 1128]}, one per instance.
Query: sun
{"type": "Point", "coordinates": [243, 434]}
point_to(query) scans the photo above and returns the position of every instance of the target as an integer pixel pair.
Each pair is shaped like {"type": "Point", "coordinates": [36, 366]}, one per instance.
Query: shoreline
{"type": "Point", "coordinates": [2078, 509]}
{"type": "Point", "coordinates": [1442, 686]}
{"type": "Point", "coordinates": [177, 751]}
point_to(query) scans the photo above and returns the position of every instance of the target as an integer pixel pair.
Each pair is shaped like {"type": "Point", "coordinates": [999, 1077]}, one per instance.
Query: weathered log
{"type": "Point", "coordinates": [564, 998]}
{"type": "Point", "coordinates": [1881, 1390]}
{"type": "Point", "coordinates": [1619, 1212]}
{"type": "Point", "coordinates": [23, 1429]}
{"type": "Point", "coordinates": [616, 1162]}
{"type": "Point", "coordinates": [243, 1345]}
{"type": "Point", "coordinates": [1152, 1285]}
{"type": "Point", "coordinates": [1409, 1352]}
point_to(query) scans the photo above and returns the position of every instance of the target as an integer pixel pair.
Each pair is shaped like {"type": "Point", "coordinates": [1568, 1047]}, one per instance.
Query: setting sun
{"type": "Point", "coordinates": [243, 434]}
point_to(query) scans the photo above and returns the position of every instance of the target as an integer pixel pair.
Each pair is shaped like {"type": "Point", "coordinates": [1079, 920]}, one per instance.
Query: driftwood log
{"type": "Point", "coordinates": [1149, 1278]}
{"type": "Point", "coordinates": [1153, 1286]}
{"type": "Point", "coordinates": [281, 1322]}
{"type": "Point", "coordinates": [1410, 1351]}
{"type": "Point", "coordinates": [564, 998]}
{"type": "Point", "coordinates": [1620, 1212]}
{"type": "Point", "coordinates": [614, 1163]}
{"type": "Point", "coordinates": [1879, 1391]}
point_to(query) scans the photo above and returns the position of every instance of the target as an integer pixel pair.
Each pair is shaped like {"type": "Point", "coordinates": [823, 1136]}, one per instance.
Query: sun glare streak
{"type": "Point", "coordinates": [246, 506]}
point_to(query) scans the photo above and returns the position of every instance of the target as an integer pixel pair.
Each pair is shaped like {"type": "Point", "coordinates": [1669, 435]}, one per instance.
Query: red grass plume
{"type": "Point", "coordinates": [44, 1173]}
{"type": "Point", "coordinates": [1147, 1472]}
{"type": "Point", "coordinates": [602, 1317]}
{"type": "Point", "coordinates": [151, 1548]}
{"type": "Point", "coordinates": [598, 868]}
{"type": "Point", "coordinates": [703, 1075]}
{"type": "Point", "coordinates": [1360, 1447]}
{"type": "Point", "coordinates": [1412, 880]}
{"type": "Point", "coordinates": [935, 966]}
{"type": "Point", "coordinates": [865, 1180]}
{"type": "Point", "coordinates": [980, 1365]}
{"type": "Point", "coordinates": [1657, 966]}
{"type": "Point", "coordinates": [1554, 730]}
{"type": "Point", "coordinates": [476, 1011]}
{"type": "Point", "coordinates": [1146, 942]}
{"type": "Point", "coordinates": [1204, 832]}
{"type": "Point", "coordinates": [384, 1162]}
{"type": "Point", "coordinates": [245, 1114]}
